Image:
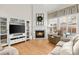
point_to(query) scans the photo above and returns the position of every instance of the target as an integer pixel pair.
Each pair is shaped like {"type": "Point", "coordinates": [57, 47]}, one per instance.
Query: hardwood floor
{"type": "Point", "coordinates": [34, 47]}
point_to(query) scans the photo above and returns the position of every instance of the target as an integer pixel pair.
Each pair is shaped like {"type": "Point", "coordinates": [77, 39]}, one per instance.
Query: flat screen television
{"type": "Point", "coordinates": [16, 29]}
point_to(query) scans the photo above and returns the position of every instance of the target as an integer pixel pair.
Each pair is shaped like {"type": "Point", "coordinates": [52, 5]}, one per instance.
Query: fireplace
{"type": "Point", "coordinates": [40, 33]}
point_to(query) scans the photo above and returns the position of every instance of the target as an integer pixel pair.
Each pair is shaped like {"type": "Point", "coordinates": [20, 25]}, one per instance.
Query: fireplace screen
{"type": "Point", "coordinates": [39, 34]}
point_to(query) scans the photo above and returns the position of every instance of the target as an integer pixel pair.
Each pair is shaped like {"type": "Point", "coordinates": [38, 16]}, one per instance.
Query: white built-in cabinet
{"type": "Point", "coordinates": [16, 37]}
{"type": "Point", "coordinates": [68, 23]}
{"type": "Point", "coordinates": [6, 38]}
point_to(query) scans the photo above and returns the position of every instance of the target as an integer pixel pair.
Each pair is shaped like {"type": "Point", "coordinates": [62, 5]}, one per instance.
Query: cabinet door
{"type": "Point", "coordinates": [63, 24]}
{"type": "Point", "coordinates": [72, 25]}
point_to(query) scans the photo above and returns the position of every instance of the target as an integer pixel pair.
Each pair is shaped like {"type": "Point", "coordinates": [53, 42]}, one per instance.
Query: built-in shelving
{"type": "Point", "coordinates": [7, 38]}
{"type": "Point", "coordinates": [18, 36]}
{"type": "Point", "coordinates": [28, 29]}
{"type": "Point", "coordinates": [3, 30]}
{"type": "Point", "coordinates": [68, 23]}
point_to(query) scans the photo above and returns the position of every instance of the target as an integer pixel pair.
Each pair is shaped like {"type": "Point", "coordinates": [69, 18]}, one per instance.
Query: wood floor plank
{"type": "Point", "coordinates": [34, 47]}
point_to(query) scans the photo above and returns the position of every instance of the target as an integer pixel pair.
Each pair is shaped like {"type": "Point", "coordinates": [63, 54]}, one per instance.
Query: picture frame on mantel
{"type": "Point", "coordinates": [39, 19]}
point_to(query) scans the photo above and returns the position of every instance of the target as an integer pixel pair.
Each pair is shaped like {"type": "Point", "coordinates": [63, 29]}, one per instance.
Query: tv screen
{"type": "Point", "coordinates": [16, 29]}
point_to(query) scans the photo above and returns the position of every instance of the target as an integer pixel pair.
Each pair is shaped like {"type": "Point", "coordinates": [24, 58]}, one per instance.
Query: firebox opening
{"type": "Point", "coordinates": [40, 34]}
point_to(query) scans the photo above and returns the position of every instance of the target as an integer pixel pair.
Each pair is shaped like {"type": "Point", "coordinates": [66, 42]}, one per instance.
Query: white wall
{"type": "Point", "coordinates": [25, 10]}
{"type": "Point", "coordinates": [16, 10]}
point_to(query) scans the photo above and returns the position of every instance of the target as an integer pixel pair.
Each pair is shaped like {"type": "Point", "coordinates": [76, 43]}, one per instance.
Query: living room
{"type": "Point", "coordinates": [39, 29]}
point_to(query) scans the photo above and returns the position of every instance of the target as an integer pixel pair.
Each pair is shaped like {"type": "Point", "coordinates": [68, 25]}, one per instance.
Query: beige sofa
{"type": "Point", "coordinates": [67, 48]}
{"type": "Point", "coordinates": [8, 51]}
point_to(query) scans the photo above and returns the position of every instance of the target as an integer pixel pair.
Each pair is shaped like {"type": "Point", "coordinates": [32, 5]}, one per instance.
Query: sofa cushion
{"type": "Point", "coordinates": [55, 51]}
{"type": "Point", "coordinates": [60, 43]}
{"type": "Point", "coordinates": [75, 40]}
{"type": "Point", "coordinates": [76, 48]}
{"type": "Point", "coordinates": [1, 48]}
{"type": "Point", "coordinates": [67, 48]}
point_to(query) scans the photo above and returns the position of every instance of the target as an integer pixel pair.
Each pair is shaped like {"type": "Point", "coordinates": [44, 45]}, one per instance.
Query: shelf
{"type": "Point", "coordinates": [16, 41]}
{"type": "Point", "coordinates": [17, 38]}
{"type": "Point", "coordinates": [3, 25]}
{"type": "Point", "coordinates": [4, 44]}
{"type": "Point", "coordinates": [3, 21]}
{"type": "Point", "coordinates": [28, 29]}
{"type": "Point", "coordinates": [50, 26]}
{"type": "Point", "coordinates": [15, 21]}
{"type": "Point", "coordinates": [4, 34]}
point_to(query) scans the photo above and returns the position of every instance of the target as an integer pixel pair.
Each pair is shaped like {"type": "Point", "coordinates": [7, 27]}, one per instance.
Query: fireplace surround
{"type": "Point", "coordinates": [39, 33]}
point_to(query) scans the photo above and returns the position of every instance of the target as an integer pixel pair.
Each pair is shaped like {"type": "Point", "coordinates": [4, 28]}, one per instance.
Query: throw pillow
{"type": "Point", "coordinates": [66, 48]}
